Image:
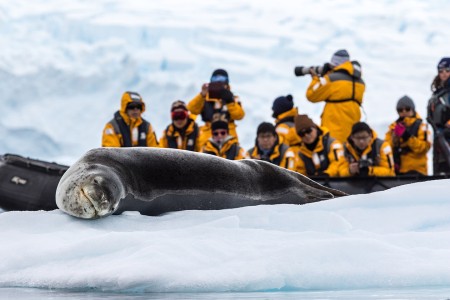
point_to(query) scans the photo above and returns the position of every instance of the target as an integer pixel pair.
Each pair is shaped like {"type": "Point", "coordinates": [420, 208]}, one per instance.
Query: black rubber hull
{"type": "Point", "coordinates": [29, 184]}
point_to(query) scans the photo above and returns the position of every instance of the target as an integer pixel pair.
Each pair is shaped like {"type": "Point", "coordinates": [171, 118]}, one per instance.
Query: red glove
{"type": "Point", "coordinates": [399, 129]}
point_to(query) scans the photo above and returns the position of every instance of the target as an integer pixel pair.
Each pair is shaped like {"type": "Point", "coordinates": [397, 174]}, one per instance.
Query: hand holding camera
{"type": "Point", "coordinates": [204, 90]}
{"type": "Point", "coordinates": [227, 96]}
{"type": "Point", "coordinates": [364, 165]}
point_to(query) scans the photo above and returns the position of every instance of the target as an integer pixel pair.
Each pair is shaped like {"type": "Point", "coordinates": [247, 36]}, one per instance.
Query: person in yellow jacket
{"type": "Point", "coordinates": [342, 88]}
{"type": "Point", "coordinates": [183, 132]}
{"type": "Point", "coordinates": [128, 128]}
{"type": "Point", "coordinates": [284, 113]}
{"type": "Point", "coordinates": [268, 146]}
{"type": "Point", "coordinates": [216, 97]}
{"type": "Point", "coordinates": [221, 143]}
{"type": "Point", "coordinates": [409, 138]}
{"type": "Point", "coordinates": [318, 154]}
{"type": "Point", "coordinates": [367, 155]}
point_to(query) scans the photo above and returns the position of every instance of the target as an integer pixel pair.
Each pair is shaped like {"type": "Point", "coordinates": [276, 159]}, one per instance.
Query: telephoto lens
{"type": "Point", "coordinates": [302, 71]}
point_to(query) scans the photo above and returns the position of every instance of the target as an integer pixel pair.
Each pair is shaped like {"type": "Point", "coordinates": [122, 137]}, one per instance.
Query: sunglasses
{"type": "Point", "coordinates": [401, 109]}
{"type": "Point", "coordinates": [304, 132]}
{"type": "Point", "coordinates": [219, 78]}
{"type": "Point", "coordinates": [179, 115]}
{"type": "Point", "coordinates": [444, 69]}
{"type": "Point", "coordinates": [134, 106]}
{"type": "Point", "coordinates": [220, 132]}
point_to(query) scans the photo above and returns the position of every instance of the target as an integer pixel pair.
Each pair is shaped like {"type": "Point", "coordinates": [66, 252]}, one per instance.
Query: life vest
{"type": "Point", "coordinates": [342, 74]}
{"type": "Point", "coordinates": [191, 138]}
{"type": "Point", "coordinates": [209, 109]}
{"type": "Point", "coordinates": [277, 161]}
{"type": "Point", "coordinates": [438, 110]}
{"type": "Point", "coordinates": [372, 156]}
{"type": "Point", "coordinates": [323, 156]}
{"type": "Point", "coordinates": [398, 151]}
{"type": "Point", "coordinates": [119, 125]}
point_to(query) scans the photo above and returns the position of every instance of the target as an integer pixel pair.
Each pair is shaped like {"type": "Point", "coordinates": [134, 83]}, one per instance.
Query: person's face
{"type": "Point", "coordinates": [444, 74]}
{"type": "Point", "coordinates": [308, 135]}
{"type": "Point", "coordinates": [134, 110]}
{"type": "Point", "coordinates": [404, 112]}
{"type": "Point", "coordinates": [361, 139]}
{"type": "Point", "coordinates": [266, 140]}
{"type": "Point", "coordinates": [179, 118]}
{"type": "Point", "coordinates": [219, 135]}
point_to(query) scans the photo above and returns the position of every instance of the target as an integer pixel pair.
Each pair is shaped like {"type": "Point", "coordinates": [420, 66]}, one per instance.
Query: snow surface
{"type": "Point", "coordinates": [398, 238]}
{"type": "Point", "coordinates": [65, 64]}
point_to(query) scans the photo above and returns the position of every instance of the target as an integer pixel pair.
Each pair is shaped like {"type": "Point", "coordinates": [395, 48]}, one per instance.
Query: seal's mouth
{"type": "Point", "coordinates": [96, 199]}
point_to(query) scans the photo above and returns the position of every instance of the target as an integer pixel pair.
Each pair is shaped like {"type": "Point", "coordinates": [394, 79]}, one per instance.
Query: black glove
{"type": "Point", "coordinates": [326, 68]}
{"type": "Point", "coordinates": [227, 96]}
{"type": "Point", "coordinates": [406, 135]}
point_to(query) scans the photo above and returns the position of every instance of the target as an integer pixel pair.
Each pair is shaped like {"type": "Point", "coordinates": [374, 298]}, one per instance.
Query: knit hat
{"type": "Point", "coordinates": [444, 63]}
{"type": "Point", "coordinates": [361, 126]}
{"type": "Point", "coordinates": [178, 104]}
{"type": "Point", "coordinates": [266, 127]}
{"type": "Point", "coordinates": [340, 57]}
{"type": "Point", "coordinates": [219, 124]}
{"type": "Point", "coordinates": [219, 75]}
{"type": "Point", "coordinates": [405, 101]}
{"type": "Point", "coordinates": [282, 104]}
{"type": "Point", "coordinates": [303, 122]}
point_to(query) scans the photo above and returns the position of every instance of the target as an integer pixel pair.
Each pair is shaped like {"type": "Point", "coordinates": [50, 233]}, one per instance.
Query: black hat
{"type": "Point", "coordinates": [266, 127]}
{"type": "Point", "coordinates": [282, 104]}
{"type": "Point", "coordinates": [444, 63]}
{"type": "Point", "coordinates": [405, 101]}
{"type": "Point", "coordinates": [219, 124]}
{"type": "Point", "coordinates": [361, 126]}
{"type": "Point", "coordinates": [219, 75]}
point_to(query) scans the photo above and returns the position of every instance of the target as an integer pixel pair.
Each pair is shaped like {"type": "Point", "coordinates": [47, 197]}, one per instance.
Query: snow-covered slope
{"type": "Point", "coordinates": [396, 239]}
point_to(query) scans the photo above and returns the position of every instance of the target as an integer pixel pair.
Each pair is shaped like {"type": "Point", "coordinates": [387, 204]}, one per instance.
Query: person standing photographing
{"type": "Point", "coordinates": [342, 88]}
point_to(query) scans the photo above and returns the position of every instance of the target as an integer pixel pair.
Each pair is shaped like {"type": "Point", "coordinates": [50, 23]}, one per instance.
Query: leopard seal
{"type": "Point", "coordinates": [158, 180]}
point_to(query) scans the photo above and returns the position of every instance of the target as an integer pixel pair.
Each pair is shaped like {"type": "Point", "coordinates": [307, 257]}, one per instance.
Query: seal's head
{"type": "Point", "coordinates": [89, 191]}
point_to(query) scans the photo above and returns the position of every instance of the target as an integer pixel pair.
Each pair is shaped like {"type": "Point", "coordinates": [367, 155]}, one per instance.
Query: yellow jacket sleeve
{"type": "Point", "coordinates": [163, 141]}
{"type": "Point", "coordinates": [195, 106]}
{"type": "Point", "coordinates": [385, 166]}
{"type": "Point", "coordinates": [420, 144]}
{"type": "Point", "coordinates": [336, 159]}
{"type": "Point", "coordinates": [319, 89]}
{"type": "Point", "coordinates": [235, 109]}
{"type": "Point", "coordinates": [110, 138]}
{"type": "Point", "coordinates": [152, 141]}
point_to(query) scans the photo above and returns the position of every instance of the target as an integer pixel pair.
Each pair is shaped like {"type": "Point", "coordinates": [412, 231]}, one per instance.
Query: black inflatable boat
{"type": "Point", "coordinates": [30, 184]}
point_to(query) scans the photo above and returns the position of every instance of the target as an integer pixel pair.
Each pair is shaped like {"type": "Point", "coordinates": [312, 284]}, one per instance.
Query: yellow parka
{"type": "Point", "coordinates": [229, 150]}
{"type": "Point", "coordinates": [410, 151]}
{"type": "Point", "coordinates": [381, 160]}
{"type": "Point", "coordinates": [325, 159]}
{"type": "Point", "coordinates": [277, 155]}
{"type": "Point", "coordinates": [187, 140]}
{"type": "Point", "coordinates": [140, 135]}
{"type": "Point", "coordinates": [285, 127]}
{"type": "Point", "coordinates": [233, 110]}
{"type": "Point", "coordinates": [342, 89]}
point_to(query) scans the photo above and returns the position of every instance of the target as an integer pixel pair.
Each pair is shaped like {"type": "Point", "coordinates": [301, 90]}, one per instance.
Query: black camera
{"type": "Point", "coordinates": [215, 89]}
{"type": "Point", "coordinates": [364, 163]}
